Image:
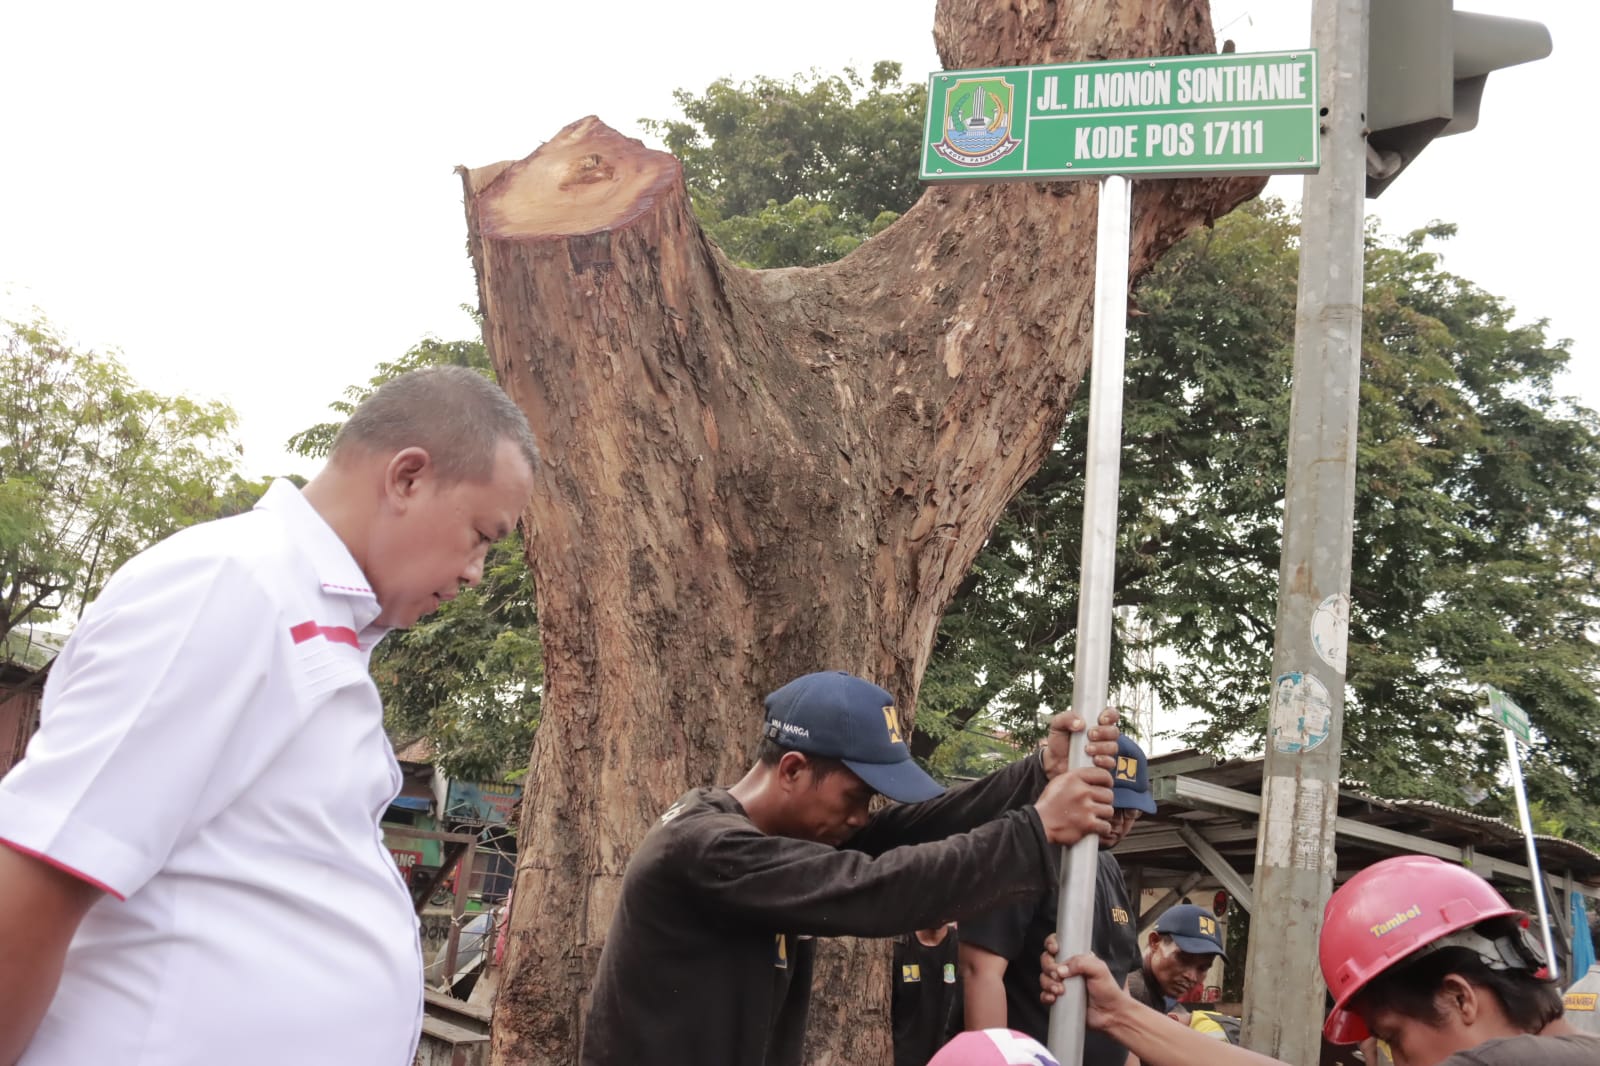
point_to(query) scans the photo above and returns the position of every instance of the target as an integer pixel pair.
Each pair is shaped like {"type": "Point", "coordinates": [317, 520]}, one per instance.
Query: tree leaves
{"type": "Point", "coordinates": [798, 173]}
{"type": "Point", "coordinates": [1474, 556]}
{"type": "Point", "coordinates": [92, 470]}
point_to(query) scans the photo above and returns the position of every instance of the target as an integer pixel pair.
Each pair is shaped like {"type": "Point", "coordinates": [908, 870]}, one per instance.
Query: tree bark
{"type": "Point", "coordinates": [751, 475]}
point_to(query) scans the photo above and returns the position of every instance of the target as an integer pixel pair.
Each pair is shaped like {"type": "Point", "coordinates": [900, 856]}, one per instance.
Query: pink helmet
{"type": "Point", "coordinates": [1386, 912]}
{"type": "Point", "coordinates": [993, 1047]}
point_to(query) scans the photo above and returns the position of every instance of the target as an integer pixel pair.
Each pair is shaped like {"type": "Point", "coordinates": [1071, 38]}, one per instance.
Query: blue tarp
{"type": "Point", "coordinates": [1582, 942]}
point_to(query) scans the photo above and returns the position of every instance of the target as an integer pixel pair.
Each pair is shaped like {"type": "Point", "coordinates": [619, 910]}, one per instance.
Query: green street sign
{"type": "Point", "coordinates": [1169, 117]}
{"type": "Point", "coordinates": [1509, 714]}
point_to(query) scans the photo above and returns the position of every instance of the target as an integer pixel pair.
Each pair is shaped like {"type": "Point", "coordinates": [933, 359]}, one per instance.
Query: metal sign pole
{"type": "Point", "coordinates": [1533, 852]}
{"type": "Point", "coordinates": [1091, 683]}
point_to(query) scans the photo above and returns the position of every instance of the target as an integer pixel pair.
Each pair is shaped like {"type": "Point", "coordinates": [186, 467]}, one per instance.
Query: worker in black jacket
{"type": "Point", "coordinates": [709, 955]}
{"type": "Point", "coordinates": [925, 997]}
{"type": "Point", "coordinates": [1000, 950]}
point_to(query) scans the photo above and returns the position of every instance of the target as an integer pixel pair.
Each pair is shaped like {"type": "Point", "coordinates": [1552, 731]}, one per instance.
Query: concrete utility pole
{"type": "Point", "coordinates": [1283, 987]}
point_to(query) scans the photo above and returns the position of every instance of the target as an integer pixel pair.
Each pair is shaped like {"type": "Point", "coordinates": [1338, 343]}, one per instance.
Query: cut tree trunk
{"type": "Point", "coordinates": [751, 475]}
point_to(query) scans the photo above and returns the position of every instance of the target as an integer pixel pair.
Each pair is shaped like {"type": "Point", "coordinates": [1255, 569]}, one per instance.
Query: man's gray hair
{"type": "Point", "coordinates": [456, 414]}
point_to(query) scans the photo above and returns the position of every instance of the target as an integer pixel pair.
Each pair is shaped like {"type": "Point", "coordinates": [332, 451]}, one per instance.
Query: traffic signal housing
{"type": "Point", "coordinates": [1426, 68]}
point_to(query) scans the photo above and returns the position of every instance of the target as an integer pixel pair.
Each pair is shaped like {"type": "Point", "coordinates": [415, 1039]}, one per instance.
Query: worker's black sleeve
{"type": "Point", "coordinates": [751, 879]}
{"type": "Point", "coordinates": [960, 809]}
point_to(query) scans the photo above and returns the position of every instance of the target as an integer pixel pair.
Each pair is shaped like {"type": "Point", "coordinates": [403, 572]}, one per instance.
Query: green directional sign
{"type": "Point", "coordinates": [1509, 714]}
{"type": "Point", "coordinates": [1170, 117]}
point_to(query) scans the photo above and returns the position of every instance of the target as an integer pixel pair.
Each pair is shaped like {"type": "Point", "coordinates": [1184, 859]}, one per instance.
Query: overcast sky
{"type": "Point", "coordinates": [256, 203]}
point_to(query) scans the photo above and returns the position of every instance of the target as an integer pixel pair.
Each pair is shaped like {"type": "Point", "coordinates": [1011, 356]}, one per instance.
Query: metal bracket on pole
{"type": "Point", "coordinates": [1091, 683]}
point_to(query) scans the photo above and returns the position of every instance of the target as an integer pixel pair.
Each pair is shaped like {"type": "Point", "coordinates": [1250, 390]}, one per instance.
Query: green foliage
{"type": "Point", "coordinates": [802, 232]}
{"type": "Point", "coordinates": [798, 173]}
{"type": "Point", "coordinates": [970, 753]}
{"type": "Point", "coordinates": [238, 494]}
{"type": "Point", "coordinates": [1477, 556]}
{"type": "Point", "coordinates": [1182, 557]}
{"type": "Point", "coordinates": [92, 470]}
{"type": "Point", "coordinates": [315, 441]}
{"type": "Point", "coordinates": [1238, 945]}
{"type": "Point", "coordinates": [1474, 556]}
{"type": "Point", "coordinates": [469, 675]}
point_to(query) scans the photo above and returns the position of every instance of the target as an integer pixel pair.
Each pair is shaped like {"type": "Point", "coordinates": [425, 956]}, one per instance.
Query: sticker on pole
{"type": "Point", "coordinates": [1330, 629]}
{"type": "Point", "coordinates": [1301, 713]}
{"type": "Point", "coordinates": [1508, 714]}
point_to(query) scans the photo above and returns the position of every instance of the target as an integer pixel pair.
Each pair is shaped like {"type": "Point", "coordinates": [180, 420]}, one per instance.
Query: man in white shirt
{"type": "Point", "coordinates": [192, 869]}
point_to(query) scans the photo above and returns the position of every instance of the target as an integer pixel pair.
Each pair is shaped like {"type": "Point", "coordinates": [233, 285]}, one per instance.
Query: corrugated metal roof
{"type": "Point", "coordinates": [418, 751]}
{"type": "Point", "coordinates": [31, 647]}
{"type": "Point", "coordinates": [1428, 817]}
{"type": "Point", "coordinates": [1503, 829]}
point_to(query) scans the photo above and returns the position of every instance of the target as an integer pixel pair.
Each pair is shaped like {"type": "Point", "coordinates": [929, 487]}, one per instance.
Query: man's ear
{"type": "Point", "coordinates": [403, 475]}
{"type": "Point", "coordinates": [1458, 996]}
{"type": "Point", "coordinates": [792, 768]}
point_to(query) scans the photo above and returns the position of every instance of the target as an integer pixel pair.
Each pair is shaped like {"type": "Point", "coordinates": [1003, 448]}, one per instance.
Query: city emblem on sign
{"type": "Point", "coordinates": [979, 119]}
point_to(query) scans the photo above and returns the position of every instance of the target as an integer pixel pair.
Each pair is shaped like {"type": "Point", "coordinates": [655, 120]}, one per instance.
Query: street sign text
{"type": "Point", "coordinates": [1169, 117]}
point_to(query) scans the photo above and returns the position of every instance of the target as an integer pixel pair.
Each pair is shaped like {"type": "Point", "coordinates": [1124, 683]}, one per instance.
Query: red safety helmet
{"type": "Point", "coordinates": [1385, 913]}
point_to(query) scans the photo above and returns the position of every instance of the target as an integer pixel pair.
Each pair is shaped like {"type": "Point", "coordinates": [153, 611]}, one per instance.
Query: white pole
{"type": "Point", "coordinates": [1533, 852]}
{"type": "Point", "coordinates": [1092, 676]}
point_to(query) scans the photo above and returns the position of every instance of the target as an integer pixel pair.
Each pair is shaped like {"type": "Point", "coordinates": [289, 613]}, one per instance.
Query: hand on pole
{"type": "Point", "coordinates": [1102, 743]}
{"type": "Point", "coordinates": [1104, 995]}
{"type": "Point", "coordinates": [1076, 804]}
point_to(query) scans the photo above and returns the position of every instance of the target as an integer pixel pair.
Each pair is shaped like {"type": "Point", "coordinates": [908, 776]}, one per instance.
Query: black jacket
{"type": "Point", "coordinates": [710, 951]}
{"type": "Point", "coordinates": [1017, 933]}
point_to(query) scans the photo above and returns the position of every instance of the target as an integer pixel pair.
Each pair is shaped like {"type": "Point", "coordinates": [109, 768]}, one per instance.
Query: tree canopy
{"type": "Point", "coordinates": [1474, 559]}
{"type": "Point", "coordinates": [798, 173]}
{"type": "Point", "coordinates": [93, 469]}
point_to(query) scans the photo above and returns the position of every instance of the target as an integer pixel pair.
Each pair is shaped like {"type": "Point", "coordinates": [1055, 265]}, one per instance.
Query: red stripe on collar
{"type": "Point", "coordinates": [338, 634]}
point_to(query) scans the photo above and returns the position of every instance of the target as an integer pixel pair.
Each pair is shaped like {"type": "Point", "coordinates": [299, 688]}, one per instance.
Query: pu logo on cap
{"type": "Point", "coordinates": [890, 720]}
{"type": "Point", "coordinates": [1208, 926]}
{"type": "Point", "coordinates": [1127, 768]}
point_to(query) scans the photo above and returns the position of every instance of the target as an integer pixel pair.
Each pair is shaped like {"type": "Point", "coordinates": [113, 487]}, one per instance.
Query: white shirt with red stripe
{"type": "Point", "coordinates": [211, 753]}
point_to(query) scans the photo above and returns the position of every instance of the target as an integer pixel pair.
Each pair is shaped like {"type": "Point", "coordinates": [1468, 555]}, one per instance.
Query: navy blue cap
{"type": "Point", "coordinates": [1193, 929]}
{"type": "Point", "coordinates": [1130, 782]}
{"type": "Point", "coordinates": [838, 716]}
